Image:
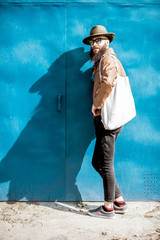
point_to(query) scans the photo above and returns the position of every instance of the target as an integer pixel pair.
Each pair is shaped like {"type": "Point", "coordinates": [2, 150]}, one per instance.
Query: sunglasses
{"type": "Point", "coordinates": [97, 41]}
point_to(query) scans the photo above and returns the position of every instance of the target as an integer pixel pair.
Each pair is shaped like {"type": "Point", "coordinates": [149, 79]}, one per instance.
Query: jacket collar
{"type": "Point", "coordinates": [108, 52]}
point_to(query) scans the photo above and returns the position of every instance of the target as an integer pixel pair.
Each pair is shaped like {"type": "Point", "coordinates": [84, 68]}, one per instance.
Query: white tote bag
{"type": "Point", "coordinates": [119, 106]}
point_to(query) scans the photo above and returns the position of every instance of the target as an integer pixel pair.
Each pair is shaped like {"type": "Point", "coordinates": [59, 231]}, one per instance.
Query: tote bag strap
{"type": "Point", "coordinates": [100, 75]}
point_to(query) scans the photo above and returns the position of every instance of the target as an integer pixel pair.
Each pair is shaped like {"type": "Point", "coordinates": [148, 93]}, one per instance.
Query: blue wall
{"type": "Point", "coordinates": [46, 130]}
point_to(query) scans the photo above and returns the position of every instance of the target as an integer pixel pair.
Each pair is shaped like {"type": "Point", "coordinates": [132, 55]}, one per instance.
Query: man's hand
{"type": "Point", "coordinates": [94, 110]}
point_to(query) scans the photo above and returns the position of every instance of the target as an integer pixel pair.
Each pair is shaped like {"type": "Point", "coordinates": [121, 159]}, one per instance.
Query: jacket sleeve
{"type": "Point", "coordinates": [109, 74]}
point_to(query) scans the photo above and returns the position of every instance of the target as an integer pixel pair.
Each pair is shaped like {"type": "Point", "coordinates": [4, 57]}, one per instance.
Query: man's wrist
{"type": "Point", "coordinates": [96, 107]}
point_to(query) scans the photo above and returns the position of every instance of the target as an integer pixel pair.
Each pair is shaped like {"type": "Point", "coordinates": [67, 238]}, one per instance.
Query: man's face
{"type": "Point", "coordinates": [101, 43]}
{"type": "Point", "coordinates": [98, 47]}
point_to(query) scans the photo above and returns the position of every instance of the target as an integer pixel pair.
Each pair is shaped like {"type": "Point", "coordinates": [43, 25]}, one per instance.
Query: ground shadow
{"type": "Point", "coordinates": [43, 163]}
{"type": "Point", "coordinates": [80, 208]}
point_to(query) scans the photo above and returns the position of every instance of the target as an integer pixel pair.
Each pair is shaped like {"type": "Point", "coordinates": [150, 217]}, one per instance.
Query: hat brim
{"type": "Point", "coordinates": [110, 36]}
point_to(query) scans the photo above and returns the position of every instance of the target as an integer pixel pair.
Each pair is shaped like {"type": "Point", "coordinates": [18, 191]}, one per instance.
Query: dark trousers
{"type": "Point", "coordinates": [103, 159]}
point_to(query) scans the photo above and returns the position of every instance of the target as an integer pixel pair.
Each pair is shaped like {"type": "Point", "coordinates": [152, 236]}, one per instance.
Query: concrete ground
{"type": "Point", "coordinates": [69, 221]}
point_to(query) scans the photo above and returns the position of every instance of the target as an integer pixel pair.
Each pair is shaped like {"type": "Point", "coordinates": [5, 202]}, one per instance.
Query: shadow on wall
{"type": "Point", "coordinates": [40, 165]}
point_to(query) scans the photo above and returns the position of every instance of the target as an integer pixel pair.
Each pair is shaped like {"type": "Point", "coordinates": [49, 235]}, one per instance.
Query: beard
{"type": "Point", "coordinates": [97, 56]}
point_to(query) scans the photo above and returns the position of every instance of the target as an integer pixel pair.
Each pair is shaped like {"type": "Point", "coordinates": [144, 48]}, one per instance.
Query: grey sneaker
{"type": "Point", "coordinates": [99, 212]}
{"type": "Point", "coordinates": [118, 208]}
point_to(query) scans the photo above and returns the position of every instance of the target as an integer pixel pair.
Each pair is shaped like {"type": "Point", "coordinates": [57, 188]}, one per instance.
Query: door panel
{"type": "Point", "coordinates": [138, 146]}
{"type": "Point", "coordinates": [33, 102]}
{"type": "Point", "coordinates": [78, 117]}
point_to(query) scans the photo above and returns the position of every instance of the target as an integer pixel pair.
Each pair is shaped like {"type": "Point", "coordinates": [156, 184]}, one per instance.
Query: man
{"type": "Point", "coordinates": [103, 157]}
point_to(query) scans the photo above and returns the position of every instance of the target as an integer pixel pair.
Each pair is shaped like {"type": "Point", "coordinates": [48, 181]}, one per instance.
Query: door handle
{"type": "Point", "coordinates": [59, 97]}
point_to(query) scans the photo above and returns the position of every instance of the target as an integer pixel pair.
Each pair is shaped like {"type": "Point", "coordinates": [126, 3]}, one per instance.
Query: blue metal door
{"type": "Point", "coordinates": [47, 133]}
{"type": "Point", "coordinates": [32, 102]}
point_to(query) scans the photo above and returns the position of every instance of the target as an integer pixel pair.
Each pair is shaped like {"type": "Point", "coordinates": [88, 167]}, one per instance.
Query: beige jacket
{"type": "Point", "coordinates": [103, 88]}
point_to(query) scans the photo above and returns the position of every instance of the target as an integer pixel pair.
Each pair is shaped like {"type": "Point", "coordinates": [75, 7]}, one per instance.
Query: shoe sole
{"type": "Point", "coordinates": [121, 211]}
{"type": "Point", "coordinates": [99, 216]}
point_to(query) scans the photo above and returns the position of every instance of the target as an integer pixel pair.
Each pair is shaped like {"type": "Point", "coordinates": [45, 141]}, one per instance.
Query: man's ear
{"type": "Point", "coordinates": [107, 43]}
